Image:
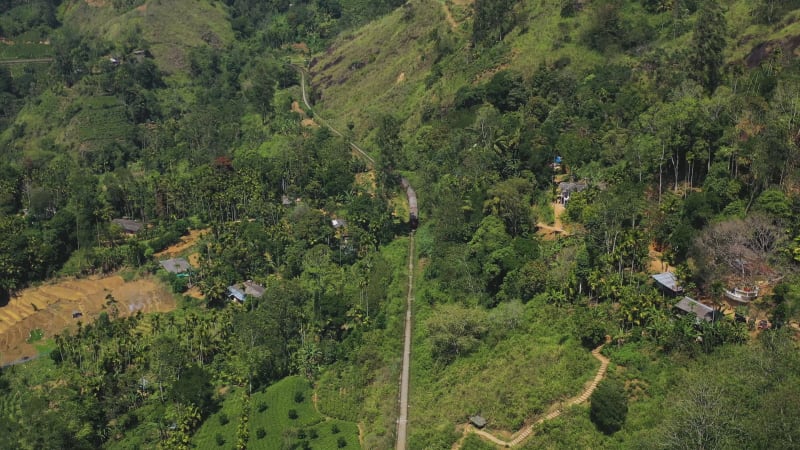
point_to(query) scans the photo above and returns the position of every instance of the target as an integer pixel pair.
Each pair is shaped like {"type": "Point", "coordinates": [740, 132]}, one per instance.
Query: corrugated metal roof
{"type": "Point", "coordinates": [478, 421]}
{"type": "Point", "coordinates": [175, 265]}
{"type": "Point", "coordinates": [128, 225]}
{"type": "Point", "coordinates": [692, 306]}
{"type": "Point", "coordinates": [669, 281]}
{"type": "Point", "coordinates": [236, 293]}
{"type": "Point", "coordinates": [567, 186]}
{"type": "Point", "coordinates": [253, 289]}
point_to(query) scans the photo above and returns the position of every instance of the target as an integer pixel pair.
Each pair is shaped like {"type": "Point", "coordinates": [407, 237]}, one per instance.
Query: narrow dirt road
{"type": "Point", "coordinates": [324, 122]}
{"type": "Point", "coordinates": [448, 16]}
{"type": "Point", "coordinates": [556, 230]}
{"type": "Point", "coordinates": [402, 421]}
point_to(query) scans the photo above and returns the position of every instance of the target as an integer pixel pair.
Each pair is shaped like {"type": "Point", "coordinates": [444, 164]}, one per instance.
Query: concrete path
{"type": "Point", "coordinates": [25, 61]}
{"type": "Point", "coordinates": [402, 421]}
{"type": "Point", "coordinates": [527, 431]}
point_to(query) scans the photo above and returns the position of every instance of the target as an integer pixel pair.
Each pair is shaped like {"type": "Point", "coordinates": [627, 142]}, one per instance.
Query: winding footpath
{"type": "Point", "coordinates": [324, 122]}
{"type": "Point", "coordinates": [528, 430]}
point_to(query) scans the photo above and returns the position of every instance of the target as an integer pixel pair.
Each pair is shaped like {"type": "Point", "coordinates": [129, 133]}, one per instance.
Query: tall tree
{"type": "Point", "coordinates": [708, 43]}
{"type": "Point", "coordinates": [493, 20]}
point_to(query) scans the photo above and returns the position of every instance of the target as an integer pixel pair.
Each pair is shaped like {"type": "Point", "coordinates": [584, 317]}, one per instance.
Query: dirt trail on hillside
{"type": "Point", "coordinates": [552, 232]}
{"type": "Point", "coordinates": [448, 16]}
{"type": "Point", "coordinates": [50, 308]}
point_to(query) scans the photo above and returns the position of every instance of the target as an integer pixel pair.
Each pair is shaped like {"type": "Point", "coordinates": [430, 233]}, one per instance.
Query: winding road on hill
{"type": "Point", "coordinates": [402, 421]}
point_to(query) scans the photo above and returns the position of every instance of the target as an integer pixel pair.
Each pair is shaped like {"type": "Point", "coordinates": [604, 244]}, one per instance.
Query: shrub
{"type": "Point", "coordinates": [293, 414]}
{"type": "Point", "coordinates": [301, 433]}
{"type": "Point", "coordinates": [261, 432]}
{"type": "Point", "coordinates": [609, 406]}
{"type": "Point", "coordinates": [262, 406]}
{"type": "Point", "coordinates": [219, 439]}
{"type": "Point", "coordinates": [313, 434]}
{"type": "Point", "coordinates": [299, 397]}
{"type": "Point", "coordinates": [341, 442]}
{"type": "Point", "coordinates": [223, 419]}
{"type": "Point", "coordinates": [334, 429]}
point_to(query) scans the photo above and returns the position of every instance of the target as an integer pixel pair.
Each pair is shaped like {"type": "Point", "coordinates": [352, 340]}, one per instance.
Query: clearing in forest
{"type": "Point", "coordinates": [51, 308]}
{"type": "Point", "coordinates": [552, 232]}
{"type": "Point", "coordinates": [186, 243]}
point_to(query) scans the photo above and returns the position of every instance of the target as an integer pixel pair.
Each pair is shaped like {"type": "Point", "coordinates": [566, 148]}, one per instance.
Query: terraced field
{"type": "Point", "coordinates": [50, 308]}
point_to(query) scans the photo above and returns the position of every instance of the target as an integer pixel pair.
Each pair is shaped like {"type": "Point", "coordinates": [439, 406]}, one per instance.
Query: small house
{"type": "Point", "coordinates": [175, 265]}
{"type": "Point", "coordinates": [742, 295]}
{"type": "Point", "coordinates": [477, 421]}
{"type": "Point", "coordinates": [240, 291]}
{"type": "Point", "coordinates": [566, 188]}
{"type": "Point", "coordinates": [128, 226]}
{"type": "Point", "coordinates": [689, 305]}
{"type": "Point", "coordinates": [236, 293]}
{"type": "Point", "coordinates": [339, 223]}
{"type": "Point", "coordinates": [667, 282]}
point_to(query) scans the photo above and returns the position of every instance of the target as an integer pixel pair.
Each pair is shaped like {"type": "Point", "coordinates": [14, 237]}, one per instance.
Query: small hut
{"type": "Point", "coordinates": [689, 305]}
{"type": "Point", "coordinates": [742, 295]}
{"type": "Point", "coordinates": [240, 291]}
{"type": "Point", "coordinates": [128, 226]}
{"type": "Point", "coordinates": [177, 266]}
{"type": "Point", "coordinates": [566, 188]}
{"type": "Point", "coordinates": [477, 421]}
{"type": "Point", "coordinates": [668, 283]}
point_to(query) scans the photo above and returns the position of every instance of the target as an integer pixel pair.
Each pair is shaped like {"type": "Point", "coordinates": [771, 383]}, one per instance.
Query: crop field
{"type": "Point", "coordinates": [50, 309]}
{"type": "Point", "coordinates": [271, 411]}
{"type": "Point", "coordinates": [219, 430]}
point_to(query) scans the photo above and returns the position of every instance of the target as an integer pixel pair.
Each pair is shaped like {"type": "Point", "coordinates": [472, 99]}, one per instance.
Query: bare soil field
{"type": "Point", "coordinates": [50, 308]}
{"type": "Point", "coordinates": [657, 263]}
{"type": "Point", "coordinates": [186, 242]}
{"type": "Point", "coordinates": [304, 119]}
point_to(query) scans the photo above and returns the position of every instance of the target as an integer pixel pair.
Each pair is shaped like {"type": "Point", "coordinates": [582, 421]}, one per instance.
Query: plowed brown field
{"type": "Point", "coordinates": [50, 308]}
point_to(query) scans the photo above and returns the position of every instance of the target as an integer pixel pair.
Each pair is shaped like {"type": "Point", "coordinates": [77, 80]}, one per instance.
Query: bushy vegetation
{"type": "Point", "coordinates": [678, 119]}
{"type": "Point", "coordinates": [608, 406]}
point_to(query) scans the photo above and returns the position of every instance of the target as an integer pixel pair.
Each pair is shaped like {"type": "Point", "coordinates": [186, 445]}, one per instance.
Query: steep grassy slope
{"type": "Point", "coordinates": [171, 27]}
{"type": "Point", "coordinates": [413, 61]}
{"type": "Point", "coordinates": [378, 68]}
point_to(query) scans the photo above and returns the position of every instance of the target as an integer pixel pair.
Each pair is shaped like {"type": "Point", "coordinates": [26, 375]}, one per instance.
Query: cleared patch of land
{"type": "Point", "coordinates": [186, 243]}
{"type": "Point", "coordinates": [50, 308]}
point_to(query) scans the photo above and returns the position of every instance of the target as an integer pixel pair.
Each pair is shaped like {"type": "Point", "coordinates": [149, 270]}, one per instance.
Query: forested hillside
{"type": "Point", "coordinates": [562, 152]}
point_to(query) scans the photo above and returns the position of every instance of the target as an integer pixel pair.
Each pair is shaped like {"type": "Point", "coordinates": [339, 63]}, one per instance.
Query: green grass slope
{"type": "Point", "coordinates": [270, 412]}
{"type": "Point", "coordinates": [171, 27]}
{"type": "Point", "coordinates": [412, 62]}
{"type": "Point", "coordinates": [378, 68]}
